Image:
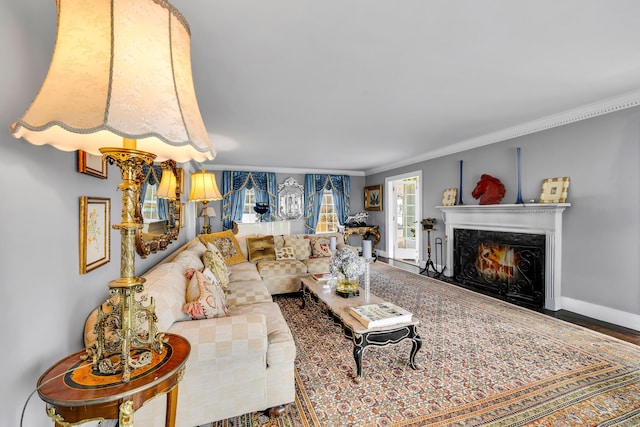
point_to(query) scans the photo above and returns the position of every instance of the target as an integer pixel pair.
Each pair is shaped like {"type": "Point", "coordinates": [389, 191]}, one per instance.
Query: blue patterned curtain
{"type": "Point", "coordinates": [234, 183]}
{"type": "Point", "coordinates": [152, 176]}
{"type": "Point", "coordinates": [314, 186]}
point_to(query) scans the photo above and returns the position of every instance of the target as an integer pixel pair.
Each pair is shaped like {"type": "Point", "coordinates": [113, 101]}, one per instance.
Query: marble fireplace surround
{"type": "Point", "coordinates": [533, 218]}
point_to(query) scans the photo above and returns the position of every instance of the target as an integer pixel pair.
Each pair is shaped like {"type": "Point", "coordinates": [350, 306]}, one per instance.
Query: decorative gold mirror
{"type": "Point", "coordinates": [158, 208]}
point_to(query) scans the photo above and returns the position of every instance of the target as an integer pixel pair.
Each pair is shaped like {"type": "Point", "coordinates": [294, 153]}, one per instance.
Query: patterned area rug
{"type": "Point", "coordinates": [483, 362]}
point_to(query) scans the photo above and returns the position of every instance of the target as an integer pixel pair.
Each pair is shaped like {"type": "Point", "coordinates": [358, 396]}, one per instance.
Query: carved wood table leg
{"type": "Point", "coordinates": [172, 406]}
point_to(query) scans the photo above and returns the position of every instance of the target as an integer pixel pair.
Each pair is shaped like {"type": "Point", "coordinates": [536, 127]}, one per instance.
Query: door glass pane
{"type": "Point", "coordinates": [406, 219]}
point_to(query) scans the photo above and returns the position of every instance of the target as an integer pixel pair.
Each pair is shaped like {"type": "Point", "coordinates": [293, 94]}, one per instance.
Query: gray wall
{"type": "Point", "coordinates": [601, 238]}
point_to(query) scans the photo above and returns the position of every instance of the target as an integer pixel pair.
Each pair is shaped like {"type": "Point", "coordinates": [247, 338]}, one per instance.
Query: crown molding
{"type": "Point", "coordinates": [588, 111]}
{"type": "Point", "coordinates": [302, 171]}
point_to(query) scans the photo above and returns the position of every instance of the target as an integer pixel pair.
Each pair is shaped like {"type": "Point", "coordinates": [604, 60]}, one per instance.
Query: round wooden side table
{"type": "Point", "coordinates": [75, 394]}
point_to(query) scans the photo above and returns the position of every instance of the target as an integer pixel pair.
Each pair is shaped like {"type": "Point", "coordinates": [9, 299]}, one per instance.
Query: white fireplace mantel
{"type": "Point", "coordinates": [536, 218]}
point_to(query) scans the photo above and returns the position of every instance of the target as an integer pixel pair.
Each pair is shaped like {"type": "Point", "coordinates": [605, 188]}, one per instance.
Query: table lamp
{"type": "Point", "coordinates": [120, 84]}
{"type": "Point", "coordinates": [204, 189]}
{"type": "Point", "coordinates": [207, 213]}
{"type": "Point", "coordinates": [167, 189]}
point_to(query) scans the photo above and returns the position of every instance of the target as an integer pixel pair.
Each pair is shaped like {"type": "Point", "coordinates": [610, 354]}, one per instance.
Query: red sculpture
{"type": "Point", "coordinates": [489, 189]}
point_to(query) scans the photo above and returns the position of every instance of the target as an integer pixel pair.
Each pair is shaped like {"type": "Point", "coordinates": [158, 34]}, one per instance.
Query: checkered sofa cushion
{"type": "Point", "coordinates": [281, 345]}
{"type": "Point", "coordinates": [243, 271]}
{"type": "Point", "coordinates": [273, 268]}
{"type": "Point", "coordinates": [301, 246]}
{"type": "Point", "coordinates": [317, 265]}
{"type": "Point", "coordinates": [232, 337]}
{"type": "Point", "coordinates": [247, 292]}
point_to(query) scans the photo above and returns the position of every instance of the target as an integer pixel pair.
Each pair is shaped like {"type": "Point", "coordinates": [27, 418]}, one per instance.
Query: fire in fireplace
{"type": "Point", "coordinates": [509, 264]}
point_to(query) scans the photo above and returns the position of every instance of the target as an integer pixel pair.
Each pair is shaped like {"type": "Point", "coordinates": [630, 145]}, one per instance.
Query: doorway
{"type": "Point", "coordinates": [403, 216]}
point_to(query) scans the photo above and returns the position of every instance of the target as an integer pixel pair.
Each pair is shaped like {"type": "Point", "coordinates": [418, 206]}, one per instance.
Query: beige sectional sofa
{"type": "Point", "coordinates": [242, 362]}
{"type": "Point", "coordinates": [239, 363]}
{"type": "Point", "coordinates": [283, 275]}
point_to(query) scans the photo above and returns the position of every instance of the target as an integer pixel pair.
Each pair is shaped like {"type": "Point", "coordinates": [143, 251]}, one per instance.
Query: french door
{"type": "Point", "coordinates": [403, 217]}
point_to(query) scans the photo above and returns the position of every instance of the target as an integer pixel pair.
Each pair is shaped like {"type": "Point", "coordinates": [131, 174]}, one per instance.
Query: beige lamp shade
{"type": "Point", "coordinates": [167, 187]}
{"type": "Point", "coordinates": [204, 187]}
{"type": "Point", "coordinates": [120, 69]}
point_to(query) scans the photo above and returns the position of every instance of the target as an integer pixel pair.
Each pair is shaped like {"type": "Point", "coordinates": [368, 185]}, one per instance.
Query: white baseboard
{"type": "Point", "coordinates": [605, 314]}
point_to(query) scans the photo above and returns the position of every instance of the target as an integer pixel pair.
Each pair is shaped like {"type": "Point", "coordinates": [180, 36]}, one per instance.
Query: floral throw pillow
{"type": "Point", "coordinates": [204, 299]}
{"type": "Point", "coordinates": [214, 262]}
{"type": "Point", "coordinates": [285, 253]}
{"type": "Point", "coordinates": [227, 244]}
{"type": "Point", "coordinates": [320, 247]}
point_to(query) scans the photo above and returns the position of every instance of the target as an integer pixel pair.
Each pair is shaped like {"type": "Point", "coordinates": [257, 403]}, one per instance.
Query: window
{"type": "Point", "coordinates": [248, 214]}
{"type": "Point", "coordinates": [328, 222]}
{"type": "Point", "coordinates": [150, 203]}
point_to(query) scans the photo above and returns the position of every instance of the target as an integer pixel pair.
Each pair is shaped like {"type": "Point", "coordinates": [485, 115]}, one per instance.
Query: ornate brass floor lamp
{"type": "Point", "coordinates": [120, 85]}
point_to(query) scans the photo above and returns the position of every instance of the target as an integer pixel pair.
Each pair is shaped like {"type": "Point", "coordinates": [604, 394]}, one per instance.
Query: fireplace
{"type": "Point", "coordinates": [537, 226]}
{"type": "Point", "coordinates": [505, 263]}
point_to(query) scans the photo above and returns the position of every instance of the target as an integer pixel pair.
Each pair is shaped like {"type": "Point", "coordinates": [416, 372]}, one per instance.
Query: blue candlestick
{"type": "Point", "coordinates": [460, 190]}
{"type": "Point", "coordinates": [519, 198]}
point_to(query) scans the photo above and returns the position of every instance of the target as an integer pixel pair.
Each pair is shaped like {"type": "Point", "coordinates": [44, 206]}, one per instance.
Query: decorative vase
{"type": "Point", "coordinates": [519, 197]}
{"type": "Point", "coordinates": [347, 286]}
{"type": "Point", "coordinates": [426, 227]}
{"type": "Point", "coordinates": [460, 190]}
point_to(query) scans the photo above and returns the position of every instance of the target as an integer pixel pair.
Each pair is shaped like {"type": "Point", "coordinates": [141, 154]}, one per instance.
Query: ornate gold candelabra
{"type": "Point", "coordinates": [127, 332]}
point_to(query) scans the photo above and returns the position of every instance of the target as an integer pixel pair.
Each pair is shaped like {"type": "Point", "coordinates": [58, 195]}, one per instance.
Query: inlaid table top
{"type": "Point", "coordinates": [75, 393]}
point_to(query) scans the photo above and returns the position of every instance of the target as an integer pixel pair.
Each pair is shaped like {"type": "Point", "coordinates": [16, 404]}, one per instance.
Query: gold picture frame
{"type": "Point", "coordinates": [373, 198]}
{"type": "Point", "coordinates": [449, 196]}
{"type": "Point", "coordinates": [180, 179]}
{"type": "Point", "coordinates": [95, 232]}
{"type": "Point", "coordinates": [90, 164]}
{"type": "Point", "coordinates": [554, 190]}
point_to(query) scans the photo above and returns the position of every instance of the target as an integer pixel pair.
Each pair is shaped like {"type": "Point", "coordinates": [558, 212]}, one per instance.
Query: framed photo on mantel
{"type": "Point", "coordinates": [373, 198]}
{"type": "Point", "coordinates": [554, 190]}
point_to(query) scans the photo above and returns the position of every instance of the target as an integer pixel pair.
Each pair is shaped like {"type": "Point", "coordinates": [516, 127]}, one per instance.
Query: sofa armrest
{"type": "Point", "coordinates": [225, 339]}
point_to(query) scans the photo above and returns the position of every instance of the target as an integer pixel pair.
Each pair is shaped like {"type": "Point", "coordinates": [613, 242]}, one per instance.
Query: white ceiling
{"type": "Point", "coordinates": [360, 86]}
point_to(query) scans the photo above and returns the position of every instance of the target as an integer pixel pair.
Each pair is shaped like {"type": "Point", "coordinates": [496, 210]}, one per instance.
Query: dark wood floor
{"type": "Point", "coordinates": [619, 332]}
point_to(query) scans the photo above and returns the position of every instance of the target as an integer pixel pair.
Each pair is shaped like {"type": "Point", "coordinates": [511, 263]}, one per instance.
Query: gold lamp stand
{"type": "Point", "coordinates": [127, 331]}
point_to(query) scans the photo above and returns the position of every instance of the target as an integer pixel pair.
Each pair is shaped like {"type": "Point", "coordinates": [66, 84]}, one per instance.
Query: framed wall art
{"type": "Point", "coordinates": [92, 165]}
{"type": "Point", "coordinates": [554, 190]}
{"type": "Point", "coordinates": [373, 198]}
{"type": "Point", "coordinates": [95, 232]}
{"type": "Point", "coordinates": [180, 178]}
{"type": "Point", "coordinates": [449, 196]}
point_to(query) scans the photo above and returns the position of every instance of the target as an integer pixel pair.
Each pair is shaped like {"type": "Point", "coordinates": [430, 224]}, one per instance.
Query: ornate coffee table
{"type": "Point", "coordinates": [361, 336]}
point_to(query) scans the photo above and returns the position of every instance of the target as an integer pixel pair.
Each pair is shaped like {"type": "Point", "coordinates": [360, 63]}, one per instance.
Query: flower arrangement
{"type": "Point", "coordinates": [346, 262]}
{"type": "Point", "coordinates": [428, 221]}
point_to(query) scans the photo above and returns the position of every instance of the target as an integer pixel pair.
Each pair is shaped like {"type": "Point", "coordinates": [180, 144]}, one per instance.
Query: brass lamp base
{"type": "Point", "coordinates": [128, 326]}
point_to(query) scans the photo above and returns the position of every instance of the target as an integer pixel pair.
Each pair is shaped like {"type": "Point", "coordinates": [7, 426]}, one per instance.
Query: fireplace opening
{"type": "Point", "coordinates": [503, 263]}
